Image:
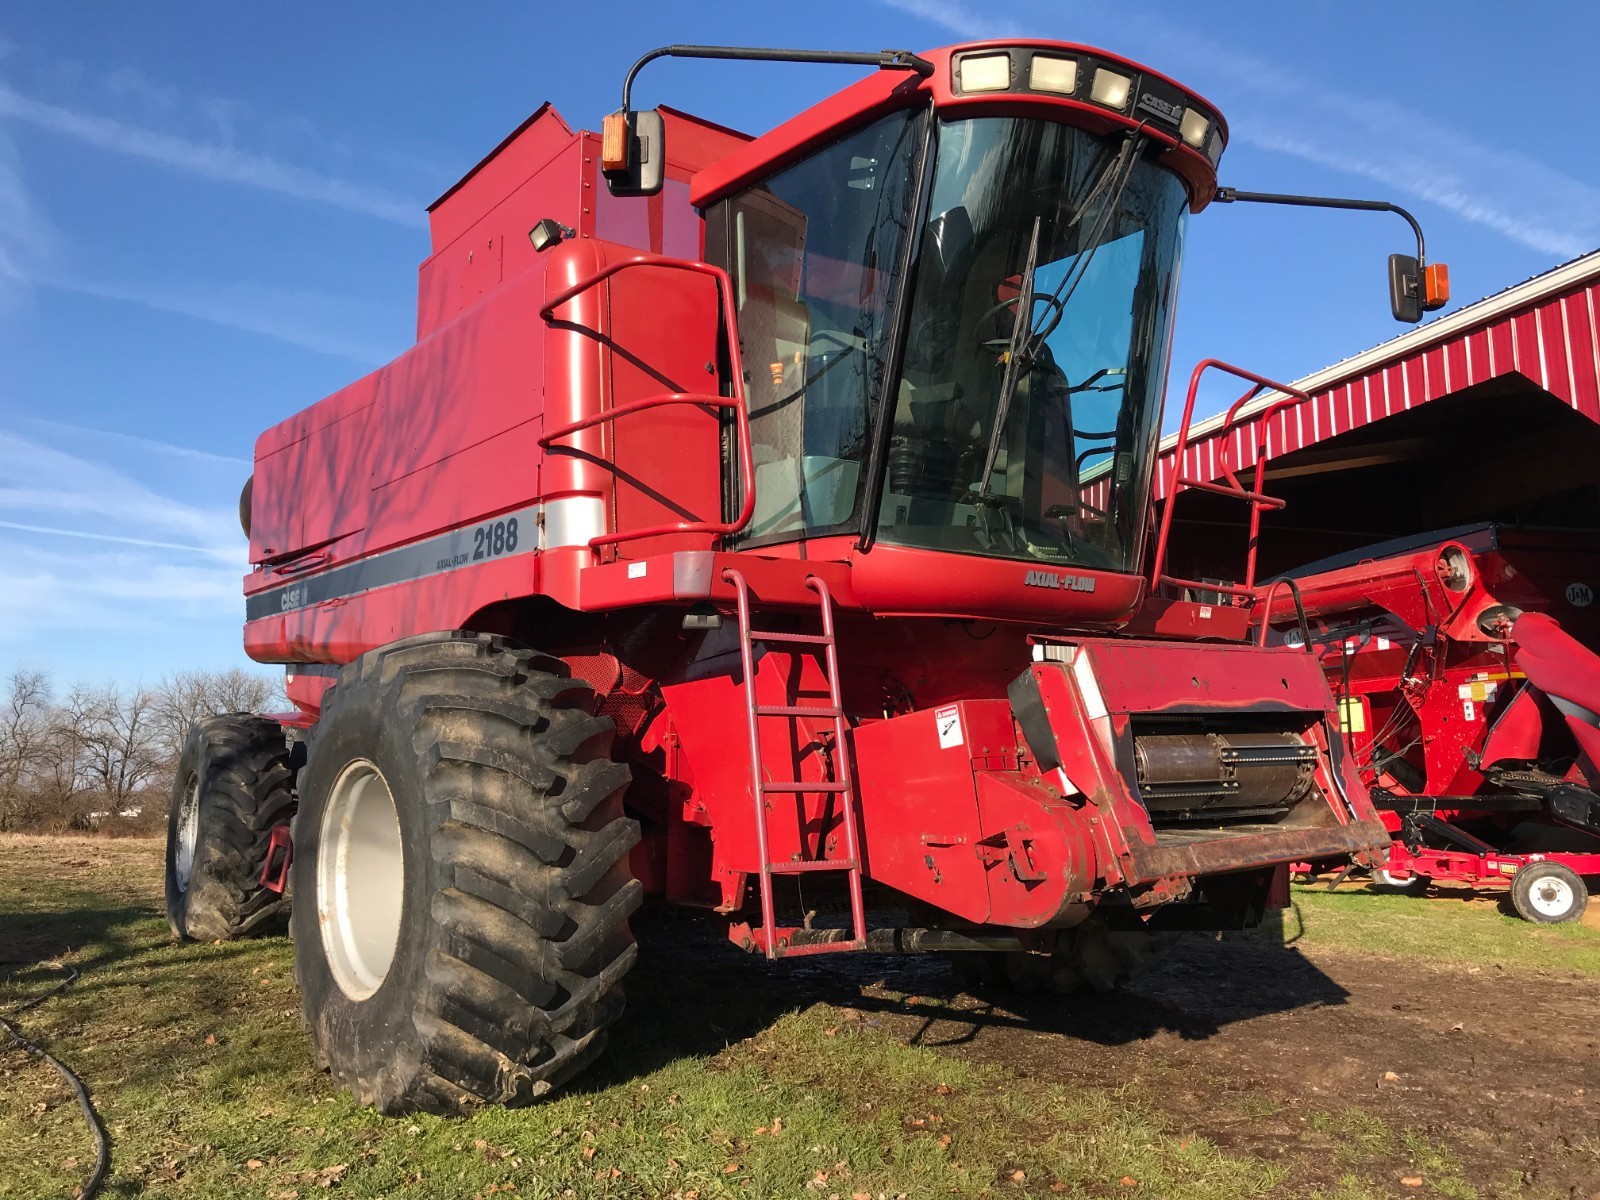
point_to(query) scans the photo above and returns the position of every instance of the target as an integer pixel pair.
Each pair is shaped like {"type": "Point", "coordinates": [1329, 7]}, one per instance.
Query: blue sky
{"type": "Point", "coordinates": [211, 215]}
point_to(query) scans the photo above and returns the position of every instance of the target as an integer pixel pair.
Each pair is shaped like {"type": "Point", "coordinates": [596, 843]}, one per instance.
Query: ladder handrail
{"type": "Point", "coordinates": [736, 402]}
{"type": "Point", "coordinates": [1256, 498]}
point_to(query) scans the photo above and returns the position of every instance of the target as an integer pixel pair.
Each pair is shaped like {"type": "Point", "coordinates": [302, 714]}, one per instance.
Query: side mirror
{"type": "Point", "coordinates": [1413, 290]}
{"type": "Point", "coordinates": [633, 152]}
{"type": "Point", "coordinates": [1405, 288]}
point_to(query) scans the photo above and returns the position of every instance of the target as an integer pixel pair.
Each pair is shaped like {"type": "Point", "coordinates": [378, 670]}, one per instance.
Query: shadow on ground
{"type": "Point", "coordinates": [693, 993]}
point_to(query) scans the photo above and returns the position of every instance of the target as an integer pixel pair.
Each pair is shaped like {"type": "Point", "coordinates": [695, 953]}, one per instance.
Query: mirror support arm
{"type": "Point", "coordinates": [1228, 195]}
{"type": "Point", "coordinates": [888, 60]}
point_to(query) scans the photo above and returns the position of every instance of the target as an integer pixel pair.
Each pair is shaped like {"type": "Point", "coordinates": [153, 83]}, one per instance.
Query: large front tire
{"type": "Point", "coordinates": [234, 783]}
{"type": "Point", "coordinates": [461, 876]}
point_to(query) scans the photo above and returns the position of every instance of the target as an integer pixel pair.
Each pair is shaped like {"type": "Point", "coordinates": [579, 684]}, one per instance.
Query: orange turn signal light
{"type": "Point", "coordinates": [614, 142]}
{"type": "Point", "coordinates": [1435, 286]}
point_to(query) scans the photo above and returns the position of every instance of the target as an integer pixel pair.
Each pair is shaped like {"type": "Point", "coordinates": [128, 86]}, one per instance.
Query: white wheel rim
{"type": "Point", "coordinates": [360, 880]}
{"type": "Point", "coordinates": [1389, 879]}
{"type": "Point", "coordinates": [188, 832]}
{"type": "Point", "coordinates": [1551, 896]}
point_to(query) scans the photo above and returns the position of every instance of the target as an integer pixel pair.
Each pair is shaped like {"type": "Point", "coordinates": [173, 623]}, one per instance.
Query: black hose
{"type": "Point", "coordinates": [102, 1157]}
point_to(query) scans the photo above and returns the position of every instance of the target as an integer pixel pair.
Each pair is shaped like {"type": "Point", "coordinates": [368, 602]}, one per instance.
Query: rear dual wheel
{"type": "Point", "coordinates": [233, 786]}
{"type": "Point", "coordinates": [461, 874]}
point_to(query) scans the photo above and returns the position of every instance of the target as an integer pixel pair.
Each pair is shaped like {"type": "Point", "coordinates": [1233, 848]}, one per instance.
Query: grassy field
{"type": "Point", "coordinates": [199, 1064]}
{"type": "Point", "coordinates": [1455, 926]}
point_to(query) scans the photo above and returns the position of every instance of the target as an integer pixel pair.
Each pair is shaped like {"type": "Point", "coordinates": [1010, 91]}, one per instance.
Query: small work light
{"type": "Point", "coordinates": [986, 73]}
{"type": "Point", "coordinates": [1049, 74]}
{"type": "Point", "coordinates": [1194, 128]}
{"type": "Point", "coordinates": [547, 233]}
{"type": "Point", "coordinates": [1110, 88]}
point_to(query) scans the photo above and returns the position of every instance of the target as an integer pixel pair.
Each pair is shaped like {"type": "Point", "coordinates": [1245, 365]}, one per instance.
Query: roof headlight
{"type": "Point", "coordinates": [1111, 88]}
{"type": "Point", "coordinates": [1047, 73]}
{"type": "Point", "coordinates": [985, 72]}
{"type": "Point", "coordinates": [1194, 127]}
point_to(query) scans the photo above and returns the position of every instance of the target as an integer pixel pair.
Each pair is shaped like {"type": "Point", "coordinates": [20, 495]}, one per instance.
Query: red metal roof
{"type": "Point", "coordinates": [1546, 329]}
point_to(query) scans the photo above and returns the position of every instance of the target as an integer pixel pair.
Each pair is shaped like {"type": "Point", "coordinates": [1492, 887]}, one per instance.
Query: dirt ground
{"type": "Point", "coordinates": [1271, 1050]}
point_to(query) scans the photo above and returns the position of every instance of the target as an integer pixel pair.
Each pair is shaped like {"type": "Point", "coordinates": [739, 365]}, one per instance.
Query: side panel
{"type": "Point", "coordinates": [663, 338]}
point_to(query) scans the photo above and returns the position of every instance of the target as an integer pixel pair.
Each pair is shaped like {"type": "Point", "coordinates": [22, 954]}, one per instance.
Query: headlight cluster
{"type": "Point", "coordinates": [1083, 77]}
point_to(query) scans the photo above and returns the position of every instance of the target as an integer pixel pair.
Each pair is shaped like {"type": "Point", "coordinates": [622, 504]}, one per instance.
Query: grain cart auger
{"type": "Point", "coordinates": [761, 525]}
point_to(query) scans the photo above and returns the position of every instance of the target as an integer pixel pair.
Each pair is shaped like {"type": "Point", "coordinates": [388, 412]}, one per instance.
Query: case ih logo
{"type": "Point", "coordinates": [1162, 108]}
{"type": "Point", "coordinates": [1059, 582]}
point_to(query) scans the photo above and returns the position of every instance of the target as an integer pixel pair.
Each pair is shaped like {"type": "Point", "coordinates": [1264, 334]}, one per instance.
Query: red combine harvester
{"type": "Point", "coordinates": [1467, 708]}
{"type": "Point", "coordinates": [761, 525]}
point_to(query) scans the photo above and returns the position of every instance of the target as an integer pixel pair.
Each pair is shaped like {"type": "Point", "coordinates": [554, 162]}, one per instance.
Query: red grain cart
{"type": "Point", "coordinates": [759, 525]}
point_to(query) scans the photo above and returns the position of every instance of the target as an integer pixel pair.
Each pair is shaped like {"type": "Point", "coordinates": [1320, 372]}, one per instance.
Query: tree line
{"type": "Point", "coordinates": [103, 756]}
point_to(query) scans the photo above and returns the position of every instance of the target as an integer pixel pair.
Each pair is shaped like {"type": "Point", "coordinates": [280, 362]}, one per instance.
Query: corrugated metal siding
{"type": "Point", "coordinates": [1554, 341]}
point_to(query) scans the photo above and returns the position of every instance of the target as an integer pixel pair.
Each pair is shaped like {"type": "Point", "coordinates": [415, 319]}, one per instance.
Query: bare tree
{"type": "Point", "coordinates": [121, 750]}
{"type": "Point", "coordinates": [24, 737]}
{"type": "Point", "coordinates": [183, 697]}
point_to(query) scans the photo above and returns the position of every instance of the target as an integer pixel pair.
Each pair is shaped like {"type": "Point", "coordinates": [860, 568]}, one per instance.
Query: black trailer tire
{"type": "Point", "coordinates": [1091, 957]}
{"type": "Point", "coordinates": [507, 916]}
{"type": "Point", "coordinates": [1548, 893]}
{"type": "Point", "coordinates": [234, 783]}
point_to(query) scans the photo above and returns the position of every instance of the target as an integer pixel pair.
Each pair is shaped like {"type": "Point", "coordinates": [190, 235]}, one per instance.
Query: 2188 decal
{"type": "Point", "coordinates": [497, 537]}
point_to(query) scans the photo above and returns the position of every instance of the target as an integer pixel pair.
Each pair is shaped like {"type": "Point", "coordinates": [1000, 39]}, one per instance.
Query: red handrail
{"type": "Point", "coordinates": [736, 402]}
{"type": "Point", "coordinates": [1256, 498]}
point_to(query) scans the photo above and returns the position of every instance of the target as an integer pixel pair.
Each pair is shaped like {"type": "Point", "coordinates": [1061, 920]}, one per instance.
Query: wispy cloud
{"type": "Point", "coordinates": [959, 19]}
{"type": "Point", "coordinates": [1501, 189]}
{"type": "Point", "coordinates": [26, 237]}
{"type": "Point", "coordinates": [118, 539]}
{"type": "Point", "coordinates": [209, 160]}
{"type": "Point", "coordinates": [38, 480]}
{"type": "Point", "coordinates": [89, 550]}
{"type": "Point", "coordinates": [80, 432]}
{"type": "Point", "coordinates": [311, 320]}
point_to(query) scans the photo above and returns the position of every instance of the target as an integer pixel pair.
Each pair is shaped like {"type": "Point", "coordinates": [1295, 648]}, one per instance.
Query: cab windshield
{"type": "Point", "coordinates": [1023, 407]}
{"type": "Point", "coordinates": [1026, 404]}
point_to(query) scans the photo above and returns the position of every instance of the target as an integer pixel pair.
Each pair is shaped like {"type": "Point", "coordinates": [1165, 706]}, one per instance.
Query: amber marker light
{"type": "Point", "coordinates": [614, 142]}
{"type": "Point", "coordinates": [1435, 286]}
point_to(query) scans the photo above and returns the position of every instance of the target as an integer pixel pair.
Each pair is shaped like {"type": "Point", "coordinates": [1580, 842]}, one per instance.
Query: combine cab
{"type": "Point", "coordinates": [760, 526]}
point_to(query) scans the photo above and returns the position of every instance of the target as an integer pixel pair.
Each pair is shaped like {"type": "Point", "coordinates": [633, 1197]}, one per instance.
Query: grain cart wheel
{"type": "Point", "coordinates": [1088, 957]}
{"type": "Point", "coordinates": [233, 784]}
{"type": "Point", "coordinates": [1548, 893]}
{"type": "Point", "coordinates": [1391, 884]}
{"type": "Point", "coordinates": [461, 876]}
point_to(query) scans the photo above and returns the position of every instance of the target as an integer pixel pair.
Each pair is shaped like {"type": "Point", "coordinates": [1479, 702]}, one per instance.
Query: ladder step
{"type": "Point", "coordinates": [811, 865]}
{"type": "Point", "coordinates": [795, 710]}
{"type": "Point", "coordinates": [821, 948]}
{"type": "Point", "coordinates": [804, 639]}
{"type": "Point", "coordinates": [800, 786]}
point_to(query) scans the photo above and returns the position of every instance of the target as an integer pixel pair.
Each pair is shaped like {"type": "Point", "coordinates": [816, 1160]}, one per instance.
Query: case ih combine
{"type": "Point", "coordinates": [765, 526]}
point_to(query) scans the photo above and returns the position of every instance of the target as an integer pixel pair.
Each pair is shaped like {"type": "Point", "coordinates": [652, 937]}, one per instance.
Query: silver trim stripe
{"type": "Point", "coordinates": [567, 522]}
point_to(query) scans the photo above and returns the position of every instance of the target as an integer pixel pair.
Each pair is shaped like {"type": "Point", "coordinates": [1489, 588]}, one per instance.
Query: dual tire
{"type": "Point", "coordinates": [461, 876]}
{"type": "Point", "coordinates": [233, 786]}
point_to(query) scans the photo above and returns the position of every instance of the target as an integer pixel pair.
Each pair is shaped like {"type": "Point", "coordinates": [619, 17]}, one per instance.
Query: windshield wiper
{"type": "Point", "coordinates": [1021, 330]}
{"type": "Point", "coordinates": [1025, 340]}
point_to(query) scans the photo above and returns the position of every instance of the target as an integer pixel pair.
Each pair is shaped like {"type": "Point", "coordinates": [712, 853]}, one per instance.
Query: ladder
{"type": "Point", "coordinates": [782, 943]}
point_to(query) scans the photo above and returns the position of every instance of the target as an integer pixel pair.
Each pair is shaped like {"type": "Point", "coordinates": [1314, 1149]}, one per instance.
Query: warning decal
{"type": "Point", "coordinates": [947, 721]}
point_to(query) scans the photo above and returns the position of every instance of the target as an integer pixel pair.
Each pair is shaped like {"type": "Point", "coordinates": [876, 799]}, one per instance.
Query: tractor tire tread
{"type": "Point", "coordinates": [250, 790]}
{"type": "Point", "coordinates": [526, 938]}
